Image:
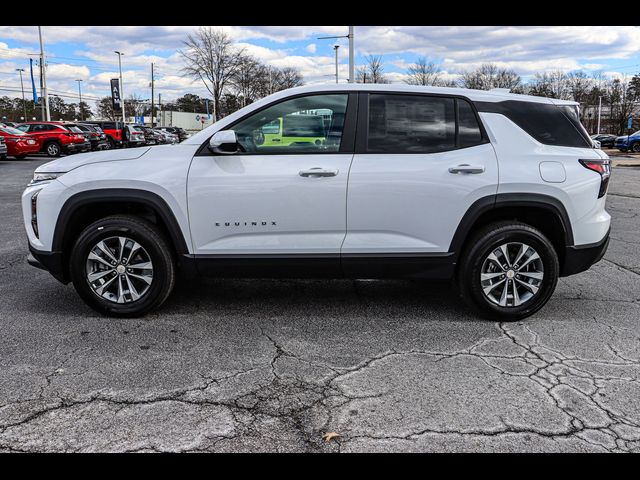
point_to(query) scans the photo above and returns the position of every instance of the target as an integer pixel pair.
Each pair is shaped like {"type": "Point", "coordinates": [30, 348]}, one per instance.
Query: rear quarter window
{"type": "Point", "coordinates": [547, 123]}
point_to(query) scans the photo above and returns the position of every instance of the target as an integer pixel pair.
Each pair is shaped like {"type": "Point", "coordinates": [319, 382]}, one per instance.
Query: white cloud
{"type": "Point", "coordinates": [311, 48]}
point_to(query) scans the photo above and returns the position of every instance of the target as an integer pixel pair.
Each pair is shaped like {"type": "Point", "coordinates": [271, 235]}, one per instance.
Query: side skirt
{"type": "Point", "coordinates": [429, 266]}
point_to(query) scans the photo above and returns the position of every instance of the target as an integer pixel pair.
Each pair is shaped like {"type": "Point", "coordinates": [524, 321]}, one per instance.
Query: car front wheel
{"type": "Point", "coordinates": [508, 272]}
{"type": "Point", "coordinates": [122, 266]}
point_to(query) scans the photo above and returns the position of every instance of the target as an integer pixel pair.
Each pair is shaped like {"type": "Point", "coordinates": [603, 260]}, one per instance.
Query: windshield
{"type": "Point", "coordinates": [12, 131]}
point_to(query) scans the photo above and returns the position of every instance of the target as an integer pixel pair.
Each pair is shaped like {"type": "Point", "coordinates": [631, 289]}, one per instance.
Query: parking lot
{"type": "Point", "coordinates": [274, 365]}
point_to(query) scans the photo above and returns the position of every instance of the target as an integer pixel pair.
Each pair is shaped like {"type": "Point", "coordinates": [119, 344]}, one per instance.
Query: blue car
{"type": "Point", "coordinates": [628, 142]}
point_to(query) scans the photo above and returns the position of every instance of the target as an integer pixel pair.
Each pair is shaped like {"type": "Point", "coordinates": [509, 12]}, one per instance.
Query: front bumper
{"type": "Point", "coordinates": [49, 261]}
{"type": "Point", "coordinates": [578, 258]}
{"type": "Point", "coordinates": [3, 149]}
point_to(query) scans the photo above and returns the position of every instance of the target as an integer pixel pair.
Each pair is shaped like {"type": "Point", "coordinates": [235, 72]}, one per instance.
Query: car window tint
{"type": "Point", "coordinates": [410, 124]}
{"type": "Point", "coordinates": [547, 123]}
{"type": "Point", "coordinates": [311, 124]}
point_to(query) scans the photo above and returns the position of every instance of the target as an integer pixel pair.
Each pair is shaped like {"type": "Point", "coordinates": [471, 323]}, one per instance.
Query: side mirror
{"type": "Point", "coordinates": [224, 141]}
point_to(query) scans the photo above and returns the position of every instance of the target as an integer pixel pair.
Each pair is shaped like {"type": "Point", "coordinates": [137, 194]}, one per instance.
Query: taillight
{"type": "Point", "coordinates": [601, 167]}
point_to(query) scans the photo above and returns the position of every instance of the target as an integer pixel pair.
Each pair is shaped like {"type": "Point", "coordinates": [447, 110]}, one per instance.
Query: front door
{"type": "Point", "coordinates": [282, 202]}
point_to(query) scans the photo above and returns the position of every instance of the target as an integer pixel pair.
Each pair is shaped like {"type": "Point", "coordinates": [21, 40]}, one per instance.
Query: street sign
{"type": "Point", "coordinates": [139, 120]}
{"type": "Point", "coordinates": [197, 118]}
{"type": "Point", "coordinates": [629, 123]}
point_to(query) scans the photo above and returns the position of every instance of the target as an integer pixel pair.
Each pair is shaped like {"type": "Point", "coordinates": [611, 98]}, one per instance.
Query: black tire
{"type": "Point", "coordinates": [480, 246]}
{"type": "Point", "coordinates": [636, 147]}
{"type": "Point", "coordinates": [52, 149]}
{"type": "Point", "coordinates": [150, 238]}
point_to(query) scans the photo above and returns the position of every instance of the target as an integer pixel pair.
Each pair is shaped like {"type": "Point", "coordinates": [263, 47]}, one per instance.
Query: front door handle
{"type": "Point", "coordinates": [466, 168]}
{"type": "Point", "coordinates": [318, 172]}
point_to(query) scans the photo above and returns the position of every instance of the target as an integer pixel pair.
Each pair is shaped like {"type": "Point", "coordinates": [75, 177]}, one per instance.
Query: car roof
{"type": "Point", "coordinates": [493, 96]}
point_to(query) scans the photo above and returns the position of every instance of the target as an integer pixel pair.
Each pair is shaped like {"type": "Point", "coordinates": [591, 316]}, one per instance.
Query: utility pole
{"type": "Point", "coordinates": [336, 47]}
{"type": "Point", "coordinates": [43, 78]}
{"type": "Point", "coordinates": [160, 109]}
{"type": "Point", "coordinates": [80, 95]}
{"type": "Point", "coordinates": [124, 119]}
{"type": "Point", "coordinates": [24, 104]}
{"type": "Point", "coordinates": [599, 110]}
{"type": "Point", "coordinates": [152, 94]}
{"type": "Point", "coordinates": [351, 53]}
{"type": "Point", "coordinates": [352, 74]}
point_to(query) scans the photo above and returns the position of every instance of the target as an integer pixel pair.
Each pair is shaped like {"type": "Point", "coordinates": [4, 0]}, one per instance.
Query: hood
{"type": "Point", "coordinates": [66, 164]}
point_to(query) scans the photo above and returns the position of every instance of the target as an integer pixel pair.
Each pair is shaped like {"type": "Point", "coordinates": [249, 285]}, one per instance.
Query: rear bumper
{"type": "Point", "coordinates": [49, 261]}
{"type": "Point", "coordinates": [76, 147]}
{"type": "Point", "coordinates": [580, 258]}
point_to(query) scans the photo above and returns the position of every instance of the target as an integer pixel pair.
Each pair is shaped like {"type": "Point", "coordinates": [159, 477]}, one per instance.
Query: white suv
{"type": "Point", "coordinates": [502, 193]}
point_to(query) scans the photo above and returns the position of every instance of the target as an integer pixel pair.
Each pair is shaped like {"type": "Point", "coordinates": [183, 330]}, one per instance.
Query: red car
{"type": "Point", "coordinates": [19, 144]}
{"type": "Point", "coordinates": [55, 138]}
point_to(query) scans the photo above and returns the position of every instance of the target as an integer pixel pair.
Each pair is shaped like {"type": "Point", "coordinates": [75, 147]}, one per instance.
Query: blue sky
{"type": "Point", "coordinates": [87, 52]}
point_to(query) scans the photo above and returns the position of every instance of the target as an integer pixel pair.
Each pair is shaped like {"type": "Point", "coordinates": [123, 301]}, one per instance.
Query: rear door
{"type": "Point", "coordinates": [420, 162]}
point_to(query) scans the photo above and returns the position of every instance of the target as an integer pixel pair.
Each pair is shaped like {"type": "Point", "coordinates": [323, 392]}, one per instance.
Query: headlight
{"type": "Point", "coordinates": [39, 178]}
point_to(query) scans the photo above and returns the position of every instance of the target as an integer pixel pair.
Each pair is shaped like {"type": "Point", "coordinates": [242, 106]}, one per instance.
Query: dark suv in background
{"type": "Point", "coordinates": [112, 130]}
{"type": "Point", "coordinates": [96, 136]}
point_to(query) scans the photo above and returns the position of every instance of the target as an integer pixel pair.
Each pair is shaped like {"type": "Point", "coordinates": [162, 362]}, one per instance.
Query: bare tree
{"type": "Point", "coordinates": [372, 71]}
{"type": "Point", "coordinates": [424, 73]}
{"type": "Point", "coordinates": [246, 81]}
{"type": "Point", "coordinates": [211, 57]}
{"type": "Point", "coordinates": [289, 77]}
{"type": "Point", "coordinates": [551, 84]}
{"type": "Point", "coordinates": [489, 76]}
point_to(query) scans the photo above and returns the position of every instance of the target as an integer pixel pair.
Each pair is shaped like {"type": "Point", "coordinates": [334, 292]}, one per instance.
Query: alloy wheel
{"type": "Point", "coordinates": [119, 270]}
{"type": "Point", "coordinates": [512, 274]}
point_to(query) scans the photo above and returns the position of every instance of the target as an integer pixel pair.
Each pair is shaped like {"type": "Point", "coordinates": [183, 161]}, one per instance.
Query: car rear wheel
{"type": "Point", "coordinates": [52, 149]}
{"type": "Point", "coordinates": [636, 147]}
{"type": "Point", "coordinates": [508, 272]}
{"type": "Point", "coordinates": [122, 266]}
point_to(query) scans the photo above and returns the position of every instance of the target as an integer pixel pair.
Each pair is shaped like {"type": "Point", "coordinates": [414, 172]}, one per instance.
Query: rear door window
{"type": "Point", "coordinates": [401, 123]}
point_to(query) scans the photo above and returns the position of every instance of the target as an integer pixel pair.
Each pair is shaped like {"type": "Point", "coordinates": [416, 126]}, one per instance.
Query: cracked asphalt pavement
{"type": "Point", "coordinates": [272, 365]}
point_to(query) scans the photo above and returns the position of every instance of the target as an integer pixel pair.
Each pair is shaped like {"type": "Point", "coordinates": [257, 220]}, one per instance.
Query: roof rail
{"type": "Point", "coordinates": [501, 90]}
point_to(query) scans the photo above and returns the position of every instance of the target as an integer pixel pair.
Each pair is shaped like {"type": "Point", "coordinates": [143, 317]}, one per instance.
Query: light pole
{"type": "Point", "coordinates": [80, 95]}
{"type": "Point", "coordinates": [336, 47]}
{"type": "Point", "coordinates": [599, 110]}
{"type": "Point", "coordinates": [124, 121]}
{"type": "Point", "coordinates": [44, 78]}
{"type": "Point", "coordinates": [352, 77]}
{"type": "Point", "coordinates": [351, 53]}
{"type": "Point", "coordinates": [24, 104]}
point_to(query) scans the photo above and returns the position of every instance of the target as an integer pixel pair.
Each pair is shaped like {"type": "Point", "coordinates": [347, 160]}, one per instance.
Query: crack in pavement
{"type": "Point", "coordinates": [295, 402]}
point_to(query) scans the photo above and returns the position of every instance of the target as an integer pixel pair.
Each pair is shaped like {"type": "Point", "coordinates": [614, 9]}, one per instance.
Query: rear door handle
{"type": "Point", "coordinates": [318, 172]}
{"type": "Point", "coordinates": [466, 168]}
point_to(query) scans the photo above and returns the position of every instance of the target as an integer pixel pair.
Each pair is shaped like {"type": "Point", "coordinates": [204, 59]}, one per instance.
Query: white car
{"type": "Point", "coordinates": [168, 137]}
{"type": "Point", "coordinates": [502, 193]}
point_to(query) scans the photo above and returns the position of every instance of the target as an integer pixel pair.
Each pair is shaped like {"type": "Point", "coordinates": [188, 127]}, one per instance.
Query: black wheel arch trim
{"type": "Point", "coordinates": [119, 195]}
{"type": "Point", "coordinates": [490, 202]}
